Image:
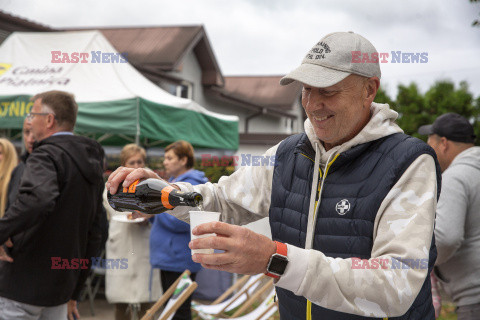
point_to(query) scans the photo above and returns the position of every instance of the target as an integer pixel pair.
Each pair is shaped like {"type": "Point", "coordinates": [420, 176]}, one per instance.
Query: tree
{"type": "Point", "coordinates": [475, 22]}
{"type": "Point", "coordinates": [410, 104]}
{"type": "Point", "coordinates": [383, 97]}
{"type": "Point", "coordinates": [416, 109]}
{"type": "Point", "coordinates": [476, 124]}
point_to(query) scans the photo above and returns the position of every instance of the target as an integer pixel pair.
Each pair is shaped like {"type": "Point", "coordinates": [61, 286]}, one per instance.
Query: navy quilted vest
{"type": "Point", "coordinates": [362, 175]}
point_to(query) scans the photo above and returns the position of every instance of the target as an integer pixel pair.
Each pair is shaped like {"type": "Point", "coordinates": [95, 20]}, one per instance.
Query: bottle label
{"type": "Point", "coordinates": [132, 187]}
{"type": "Point", "coordinates": [165, 194]}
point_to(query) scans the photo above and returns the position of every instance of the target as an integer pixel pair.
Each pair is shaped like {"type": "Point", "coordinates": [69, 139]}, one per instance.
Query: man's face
{"type": "Point", "coordinates": [28, 136]}
{"type": "Point", "coordinates": [337, 112]}
{"type": "Point", "coordinates": [39, 122]}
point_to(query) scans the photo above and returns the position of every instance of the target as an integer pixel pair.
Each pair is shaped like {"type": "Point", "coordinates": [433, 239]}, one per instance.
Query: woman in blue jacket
{"type": "Point", "coordinates": [169, 237]}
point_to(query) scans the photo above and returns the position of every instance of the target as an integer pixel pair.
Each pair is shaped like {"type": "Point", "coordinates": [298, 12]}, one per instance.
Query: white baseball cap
{"type": "Point", "coordinates": [332, 59]}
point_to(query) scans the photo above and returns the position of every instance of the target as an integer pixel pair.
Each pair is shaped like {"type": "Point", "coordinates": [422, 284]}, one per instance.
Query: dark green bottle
{"type": "Point", "coordinates": [152, 196]}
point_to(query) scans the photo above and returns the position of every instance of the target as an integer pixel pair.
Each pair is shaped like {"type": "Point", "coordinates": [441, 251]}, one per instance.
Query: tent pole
{"type": "Point", "coordinates": [137, 136]}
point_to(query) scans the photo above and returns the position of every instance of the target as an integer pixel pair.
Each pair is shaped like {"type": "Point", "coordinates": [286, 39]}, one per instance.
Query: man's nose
{"type": "Point", "coordinates": [314, 102]}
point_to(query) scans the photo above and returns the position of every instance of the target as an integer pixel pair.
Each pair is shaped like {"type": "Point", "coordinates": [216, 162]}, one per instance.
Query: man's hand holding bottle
{"type": "Point", "coordinates": [120, 175]}
{"type": "Point", "coordinates": [152, 195]}
{"type": "Point", "coordinates": [128, 176]}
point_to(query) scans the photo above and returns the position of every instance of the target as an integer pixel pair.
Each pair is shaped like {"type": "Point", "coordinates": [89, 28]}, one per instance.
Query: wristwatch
{"type": "Point", "coordinates": [278, 261]}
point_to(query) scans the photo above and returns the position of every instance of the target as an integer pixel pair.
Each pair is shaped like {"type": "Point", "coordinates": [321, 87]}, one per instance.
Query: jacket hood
{"type": "Point", "coordinates": [192, 176]}
{"type": "Point", "coordinates": [381, 124]}
{"type": "Point", "coordinates": [470, 157]}
{"type": "Point", "coordinates": [86, 153]}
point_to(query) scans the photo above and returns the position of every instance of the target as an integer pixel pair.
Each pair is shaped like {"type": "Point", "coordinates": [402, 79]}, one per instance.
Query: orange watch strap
{"type": "Point", "coordinates": [281, 250]}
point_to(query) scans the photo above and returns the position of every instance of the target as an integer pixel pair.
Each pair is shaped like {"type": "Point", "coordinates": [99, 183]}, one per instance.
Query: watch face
{"type": "Point", "coordinates": [277, 265]}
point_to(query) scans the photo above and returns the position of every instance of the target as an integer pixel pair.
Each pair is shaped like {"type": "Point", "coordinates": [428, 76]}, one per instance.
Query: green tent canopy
{"type": "Point", "coordinates": [117, 104]}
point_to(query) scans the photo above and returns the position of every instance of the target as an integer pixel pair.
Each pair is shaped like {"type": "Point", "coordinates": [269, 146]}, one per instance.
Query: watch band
{"type": "Point", "coordinates": [281, 250]}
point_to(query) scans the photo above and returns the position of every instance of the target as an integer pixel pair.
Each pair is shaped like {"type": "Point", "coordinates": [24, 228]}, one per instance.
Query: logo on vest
{"type": "Point", "coordinates": [342, 207]}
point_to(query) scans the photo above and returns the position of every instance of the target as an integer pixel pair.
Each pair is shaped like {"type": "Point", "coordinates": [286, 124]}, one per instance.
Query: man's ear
{"type": "Point", "coordinates": [445, 145]}
{"type": "Point", "coordinates": [50, 121]}
{"type": "Point", "coordinates": [371, 87]}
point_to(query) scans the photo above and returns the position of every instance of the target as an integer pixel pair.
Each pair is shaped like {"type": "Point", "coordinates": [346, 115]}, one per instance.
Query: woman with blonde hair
{"type": "Point", "coordinates": [134, 285]}
{"type": "Point", "coordinates": [8, 161]}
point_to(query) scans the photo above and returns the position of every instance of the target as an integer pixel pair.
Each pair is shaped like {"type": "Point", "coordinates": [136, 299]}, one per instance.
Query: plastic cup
{"type": "Point", "coordinates": [200, 217]}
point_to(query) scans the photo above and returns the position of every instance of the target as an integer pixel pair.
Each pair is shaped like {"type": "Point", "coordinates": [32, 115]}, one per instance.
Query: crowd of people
{"type": "Point", "coordinates": [351, 191]}
{"type": "Point", "coordinates": [54, 212]}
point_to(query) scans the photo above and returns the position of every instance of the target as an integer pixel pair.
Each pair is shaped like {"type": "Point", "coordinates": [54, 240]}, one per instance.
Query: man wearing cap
{"type": "Point", "coordinates": [350, 201]}
{"type": "Point", "coordinates": [457, 225]}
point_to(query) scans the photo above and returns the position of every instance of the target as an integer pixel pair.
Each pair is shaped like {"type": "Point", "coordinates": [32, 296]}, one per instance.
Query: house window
{"type": "Point", "coordinates": [184, 89]}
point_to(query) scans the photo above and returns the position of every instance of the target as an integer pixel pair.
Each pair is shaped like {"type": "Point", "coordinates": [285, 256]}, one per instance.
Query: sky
{"type": "Point", "coordinates": [271, 37]}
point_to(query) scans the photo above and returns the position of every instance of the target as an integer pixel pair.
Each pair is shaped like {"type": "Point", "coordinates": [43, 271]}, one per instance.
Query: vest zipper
{"type": "Point", "coordinates": [311, 234]}
{"type": "Point", "coordinates": [323, 177]}
{"type": "Point", "coordinates": [317, 207]}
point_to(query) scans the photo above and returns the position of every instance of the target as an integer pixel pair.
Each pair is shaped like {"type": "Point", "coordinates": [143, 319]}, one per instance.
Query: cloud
{"type": "Point", "coordinates": [272, 37]}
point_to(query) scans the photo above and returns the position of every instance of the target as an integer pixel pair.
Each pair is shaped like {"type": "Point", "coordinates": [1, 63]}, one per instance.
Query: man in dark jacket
{"type": "Point", "coordinates": [53, 227]}
{"type": "Point", "coordinates": [17, 173]}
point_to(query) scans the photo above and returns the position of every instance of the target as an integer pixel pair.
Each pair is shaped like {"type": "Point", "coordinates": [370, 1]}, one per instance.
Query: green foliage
{"type": "Point", "coordinates": [383, 97]}
{"type": "Point", "coordinates": [476, 124]}
{"type": "Point", "coordinates": [214, 173]}
{"type": "Point", "coordinates": [411, 107]}
{"type": "Point", "coordinates": [475, 22]}
{"type": "Point", "coordinates": [416, 109]}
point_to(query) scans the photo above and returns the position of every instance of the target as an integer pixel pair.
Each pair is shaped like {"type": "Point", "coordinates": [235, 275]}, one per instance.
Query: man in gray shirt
{"type": "Point", "coordinates": [457, 224]}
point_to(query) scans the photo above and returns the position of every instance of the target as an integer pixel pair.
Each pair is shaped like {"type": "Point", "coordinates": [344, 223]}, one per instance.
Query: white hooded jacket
{"type": "Point", "coordinates": [403, 229]}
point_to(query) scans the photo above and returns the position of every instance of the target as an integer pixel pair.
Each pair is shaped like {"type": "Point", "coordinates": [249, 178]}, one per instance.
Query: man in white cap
{"type": "Point", "coordinates": [351, 201]}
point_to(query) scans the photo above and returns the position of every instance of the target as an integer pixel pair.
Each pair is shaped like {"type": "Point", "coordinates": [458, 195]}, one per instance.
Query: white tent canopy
{"type": "Point", "coordinates": [113, 97]}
